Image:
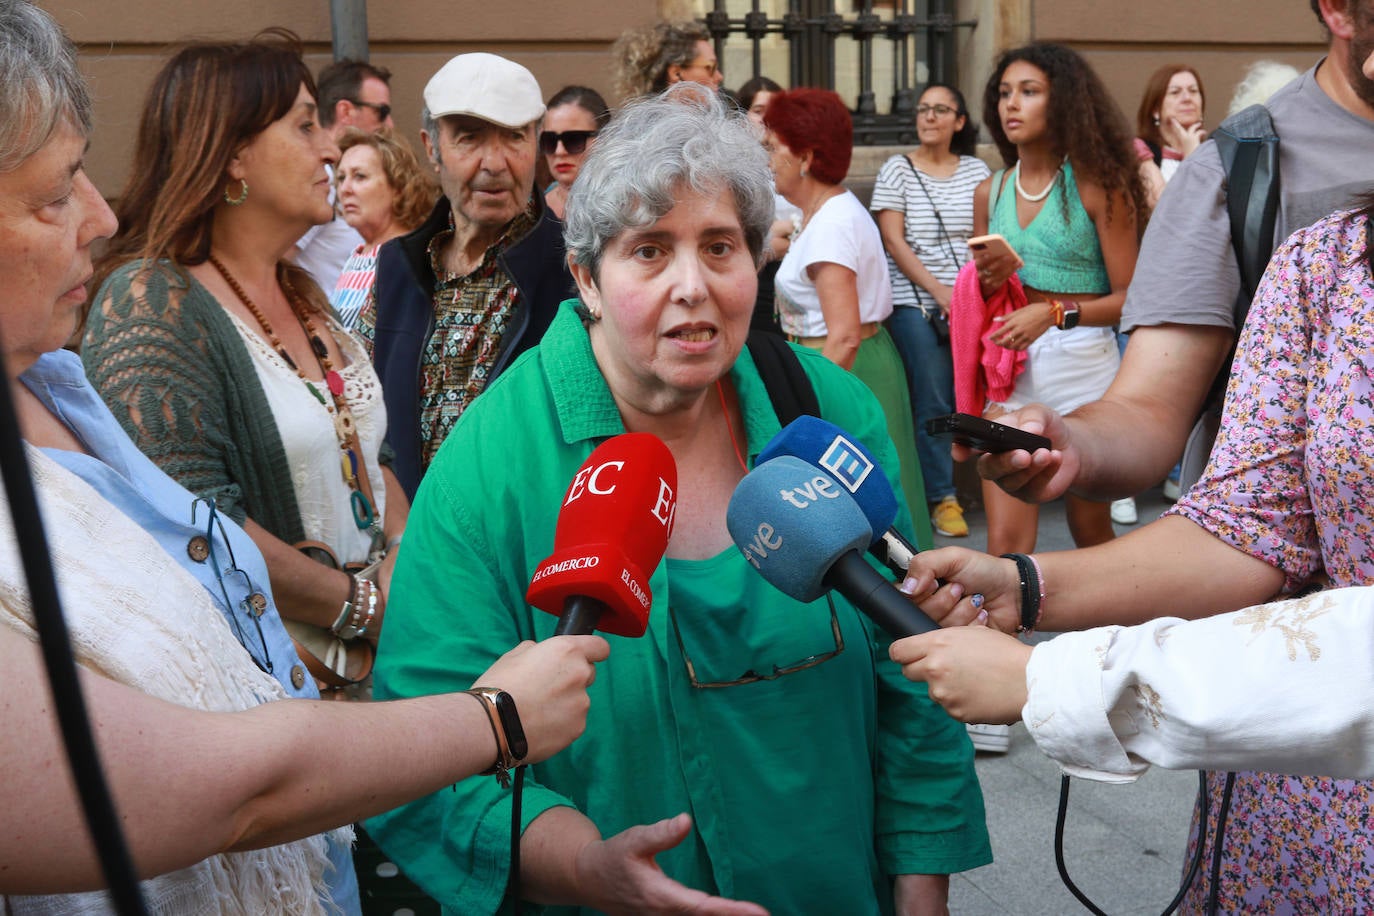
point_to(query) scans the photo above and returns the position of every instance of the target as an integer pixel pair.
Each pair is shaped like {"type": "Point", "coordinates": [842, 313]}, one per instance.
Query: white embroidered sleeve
{"type": "Point", "coordinates": [1283, 687]}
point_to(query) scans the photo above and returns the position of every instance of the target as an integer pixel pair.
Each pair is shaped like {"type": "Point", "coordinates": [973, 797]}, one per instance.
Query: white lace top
{"type": "Point", "coordinates": [312, 447]}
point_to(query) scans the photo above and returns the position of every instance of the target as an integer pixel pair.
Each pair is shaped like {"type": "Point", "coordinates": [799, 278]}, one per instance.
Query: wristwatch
{"type": "Point", "coordinates": [1071, 315]}
{"type": "Point", "coordinates": [511, 746]}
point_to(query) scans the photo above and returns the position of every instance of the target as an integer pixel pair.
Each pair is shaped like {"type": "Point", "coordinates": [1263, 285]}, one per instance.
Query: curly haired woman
{"type": "Point", "coordinates": [650, 59]}
{"type": "Point", "coordinates": [1069, 202]}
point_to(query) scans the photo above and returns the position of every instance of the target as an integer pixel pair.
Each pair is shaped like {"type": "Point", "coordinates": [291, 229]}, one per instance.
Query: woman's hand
{"type": "Point", "coordinates": [976, 674]}
{"type": "Point", "coordinates": [1183, 139]}
{"type": "Point", "coordinates": [973, 583]}
{"type": "Point", "coordinates": [780, 238]}
{"type": "Point", "coordinates": [942, 295]}
{"type": "Point", "coordinates": [1022, 327]}
{"type": "Point", "coordinates": [994, 270]}
{"type": "Point", "coordinates": [620, 875]}
{"type": "Point", "coordinates": [548, 681]}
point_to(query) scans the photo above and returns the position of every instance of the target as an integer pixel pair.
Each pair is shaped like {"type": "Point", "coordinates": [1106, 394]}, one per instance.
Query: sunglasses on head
{"type": "Point", "coordinates": [574, 141]}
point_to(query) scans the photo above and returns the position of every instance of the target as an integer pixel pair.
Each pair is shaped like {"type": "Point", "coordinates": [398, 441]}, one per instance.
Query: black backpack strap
{"type": "Point", "coordinates": [788, 387]}
{"type": "Point", "coordinates": [1249, 151]}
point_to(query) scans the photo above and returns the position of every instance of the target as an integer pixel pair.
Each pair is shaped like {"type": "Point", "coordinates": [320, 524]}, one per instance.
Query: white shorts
{"type": "Point", "coordinates": [1066, 369]}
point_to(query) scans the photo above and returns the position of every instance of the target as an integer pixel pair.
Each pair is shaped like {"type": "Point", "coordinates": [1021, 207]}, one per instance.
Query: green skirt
{"type": "Point", "coordinates": [880, 367]}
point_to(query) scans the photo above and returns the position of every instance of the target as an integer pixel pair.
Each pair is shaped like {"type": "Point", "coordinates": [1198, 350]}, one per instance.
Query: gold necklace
{"type": "Point", "coordinates": [345, 430]}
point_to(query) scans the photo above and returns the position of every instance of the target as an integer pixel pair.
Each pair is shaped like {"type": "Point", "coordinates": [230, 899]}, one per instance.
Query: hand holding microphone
{"type": "Point", "coordinates": [804, 533]}
{"type": "Point", "coordinates": [612, 531]}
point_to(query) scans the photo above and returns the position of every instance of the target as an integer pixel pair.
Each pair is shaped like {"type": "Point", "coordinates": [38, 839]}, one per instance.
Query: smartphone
{"type": "Point", "coordinates": [984, 435]}
{"type": "Point", "coordinates": [994, 245]}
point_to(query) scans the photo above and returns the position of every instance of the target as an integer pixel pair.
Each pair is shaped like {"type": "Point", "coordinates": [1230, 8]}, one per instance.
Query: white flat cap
{"type": "Point", "coordinates": [485, 86]}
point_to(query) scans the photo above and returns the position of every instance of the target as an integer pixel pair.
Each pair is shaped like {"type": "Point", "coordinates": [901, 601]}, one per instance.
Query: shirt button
{"type": "Point", "coordinates": [198, 548]}
{"type": "Point", "coordinates": [297, 676]}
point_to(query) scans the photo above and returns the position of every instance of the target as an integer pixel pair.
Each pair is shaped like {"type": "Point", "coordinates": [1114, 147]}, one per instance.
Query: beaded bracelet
{"type": "Point", "coordinates": [1032, 590]}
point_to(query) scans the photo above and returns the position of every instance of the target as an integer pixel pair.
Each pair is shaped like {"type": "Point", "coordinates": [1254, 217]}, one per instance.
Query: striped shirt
{"type": "Point", "coordinates": [354, 289]}
{"type": "Point", "coordinates": [898, 188]}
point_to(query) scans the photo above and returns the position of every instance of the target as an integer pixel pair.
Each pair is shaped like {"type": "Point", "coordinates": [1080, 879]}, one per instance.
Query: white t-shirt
{"type": "Point", "coordinates": [942, 252]}
{"type": "Point", "coordinates": [841, 232]}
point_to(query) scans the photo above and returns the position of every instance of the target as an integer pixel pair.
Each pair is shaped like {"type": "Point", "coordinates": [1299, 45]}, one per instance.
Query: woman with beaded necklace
{"type": "Point", "coordinates": [1071, 204]}
{"type": "Point", "coordinates": [224, 362]}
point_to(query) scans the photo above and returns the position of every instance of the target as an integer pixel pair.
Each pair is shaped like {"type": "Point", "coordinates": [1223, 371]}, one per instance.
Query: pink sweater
{"type": "Point", "coordinates": [983, 371]}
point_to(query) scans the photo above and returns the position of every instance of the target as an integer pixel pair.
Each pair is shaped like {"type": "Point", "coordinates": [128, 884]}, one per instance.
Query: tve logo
{"type": "Point", "coordinates": [847, 463]}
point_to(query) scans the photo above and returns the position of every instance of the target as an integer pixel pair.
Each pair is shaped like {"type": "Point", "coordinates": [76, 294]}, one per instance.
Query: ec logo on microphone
{"type": "Point", "coordinates": [846, 463]}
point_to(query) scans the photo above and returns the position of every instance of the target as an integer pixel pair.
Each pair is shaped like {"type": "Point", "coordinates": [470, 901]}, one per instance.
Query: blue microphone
{"type": "Point", "coordinates": [842, 456]}
{"type": "Point", "coordinates": [804, 532]}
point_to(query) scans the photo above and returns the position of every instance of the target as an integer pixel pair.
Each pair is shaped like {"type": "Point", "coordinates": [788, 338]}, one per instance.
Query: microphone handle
{"type": "Point", "coordinates": [580, 616]}
{"type": "Point", "coordinates": [893, 551]}
{"type": "Point", "coordinates": [870, 592]}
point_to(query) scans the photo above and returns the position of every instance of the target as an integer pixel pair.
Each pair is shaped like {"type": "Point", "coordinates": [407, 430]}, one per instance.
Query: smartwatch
{"type": "Point", "coordinates": [1071, 316]}
{"type": "Point", "coordinates": [511, 746]}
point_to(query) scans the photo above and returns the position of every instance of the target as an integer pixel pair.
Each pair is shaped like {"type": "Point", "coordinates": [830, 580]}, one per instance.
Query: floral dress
{"type": "Point", "coordinates": [1290, 483]}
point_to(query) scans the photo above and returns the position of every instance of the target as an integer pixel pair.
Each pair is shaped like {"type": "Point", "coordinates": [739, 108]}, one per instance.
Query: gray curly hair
{"type": "Point", "coordinates": [685, 139]}
{"type": "Point", "coordinates": [43, 86]}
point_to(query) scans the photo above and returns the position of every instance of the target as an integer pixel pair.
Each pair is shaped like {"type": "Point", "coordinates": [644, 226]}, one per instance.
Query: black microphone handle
{"type": "Point", "coordinates": [870, 592]}
{"type": "Point", "coordinates": [581, 614]}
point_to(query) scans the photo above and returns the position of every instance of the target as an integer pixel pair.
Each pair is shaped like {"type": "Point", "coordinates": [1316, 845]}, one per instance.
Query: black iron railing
{"type": "Point", "coordinates": [914, 30]}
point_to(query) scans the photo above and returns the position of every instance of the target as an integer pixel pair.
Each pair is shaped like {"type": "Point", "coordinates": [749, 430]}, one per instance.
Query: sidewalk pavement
{"type": "Point", "coordinates": [1123, 844]}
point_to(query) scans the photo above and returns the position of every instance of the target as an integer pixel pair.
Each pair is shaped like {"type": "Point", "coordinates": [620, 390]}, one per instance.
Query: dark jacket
{"type": "Point", "coordinates": [405, 319]}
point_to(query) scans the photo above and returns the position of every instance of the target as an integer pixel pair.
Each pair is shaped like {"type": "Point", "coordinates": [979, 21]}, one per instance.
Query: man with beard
{"type": "Point", "coordinates": [475, 286]}
{"type": "Point", "coordinates": [1179, 307]}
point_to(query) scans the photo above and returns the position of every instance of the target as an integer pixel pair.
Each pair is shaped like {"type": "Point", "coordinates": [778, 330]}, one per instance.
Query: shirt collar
{"type": "Point", "coordinates": [583, 401]}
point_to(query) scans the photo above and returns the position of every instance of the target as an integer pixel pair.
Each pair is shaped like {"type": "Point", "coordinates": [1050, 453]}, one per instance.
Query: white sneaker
{"type": "Point", "coordinates": [1123, 511]}
{"type": "Point", "coordinates": [1171, 490]}
{"type": "Point", "coordinates": [995, 739]}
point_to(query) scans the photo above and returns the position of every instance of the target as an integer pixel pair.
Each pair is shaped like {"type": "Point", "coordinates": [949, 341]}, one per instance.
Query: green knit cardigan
{"type": "Point", "coordinates": [171, 365]}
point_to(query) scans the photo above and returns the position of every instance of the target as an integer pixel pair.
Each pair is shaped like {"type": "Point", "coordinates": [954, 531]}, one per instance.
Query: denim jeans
{"type": "Point", "coordinates": [930, 375]}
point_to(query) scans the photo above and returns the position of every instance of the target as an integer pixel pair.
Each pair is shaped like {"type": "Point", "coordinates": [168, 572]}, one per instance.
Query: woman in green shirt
{"type": "Point", "coordinates": [831, 784]}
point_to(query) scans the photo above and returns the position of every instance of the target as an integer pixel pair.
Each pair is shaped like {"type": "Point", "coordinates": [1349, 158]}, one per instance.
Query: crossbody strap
{"type": "Point", "coordinates": [939, 220]}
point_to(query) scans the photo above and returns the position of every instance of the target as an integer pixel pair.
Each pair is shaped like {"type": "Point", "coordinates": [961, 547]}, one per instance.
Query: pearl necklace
{"type": "Point", "coordinates": [1036, 198]}
{"type": "Point", "coordinates": [345, 430]}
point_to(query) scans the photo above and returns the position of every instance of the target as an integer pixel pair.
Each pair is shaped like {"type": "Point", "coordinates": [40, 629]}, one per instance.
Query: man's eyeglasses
{"type": "Point", "coordinates": [776, 671]}
{"type": "Point", "coordinates": [254, 603]}
{"type": "Point", "coordinates": [574, 141]}
{"type": "Point", "coordinates": [383, 111]}
{"type": "Point", "coordinates": [939, 110]}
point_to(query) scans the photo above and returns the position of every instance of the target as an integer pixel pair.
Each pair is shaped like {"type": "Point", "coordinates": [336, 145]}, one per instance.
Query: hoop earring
{"type": "Point", "coordinates": [243, 194]}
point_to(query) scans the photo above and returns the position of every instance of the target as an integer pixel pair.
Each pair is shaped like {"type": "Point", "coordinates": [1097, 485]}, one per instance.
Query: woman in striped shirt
{"type": "Point", "coordinates": [924, 203]}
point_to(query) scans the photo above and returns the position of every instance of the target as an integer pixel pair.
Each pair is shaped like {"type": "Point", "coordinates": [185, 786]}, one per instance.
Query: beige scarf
{"type": "Point", "coordinates": [138, 618]}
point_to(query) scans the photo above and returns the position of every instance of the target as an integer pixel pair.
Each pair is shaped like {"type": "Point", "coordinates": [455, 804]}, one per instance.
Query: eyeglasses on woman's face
{"type": "Point", "coordinates": [940, 111]}
{"type": "Point", "coordinates": [574, 141]}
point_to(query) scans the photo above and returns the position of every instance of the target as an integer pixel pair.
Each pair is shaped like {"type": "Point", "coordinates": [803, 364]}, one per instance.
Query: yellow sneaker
{"type": "Point", "coordinates": [948, 518]}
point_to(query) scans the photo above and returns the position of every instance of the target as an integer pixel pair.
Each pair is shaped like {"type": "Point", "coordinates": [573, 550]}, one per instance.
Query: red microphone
{"type": "Point", "coordinates": [612, 532]}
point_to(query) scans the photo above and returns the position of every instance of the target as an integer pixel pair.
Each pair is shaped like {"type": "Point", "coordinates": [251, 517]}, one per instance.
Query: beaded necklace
{"type": "Point", "coordinates": [345, 430]}
{"type": "Point", "coordinates": [1036, 198]}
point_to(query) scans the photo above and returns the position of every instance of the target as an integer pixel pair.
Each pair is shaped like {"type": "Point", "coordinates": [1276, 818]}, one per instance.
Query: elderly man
{"type": "Point", "coordinates": [355, 94]}
{"type": "Point", "coordinates": [459, 298]}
